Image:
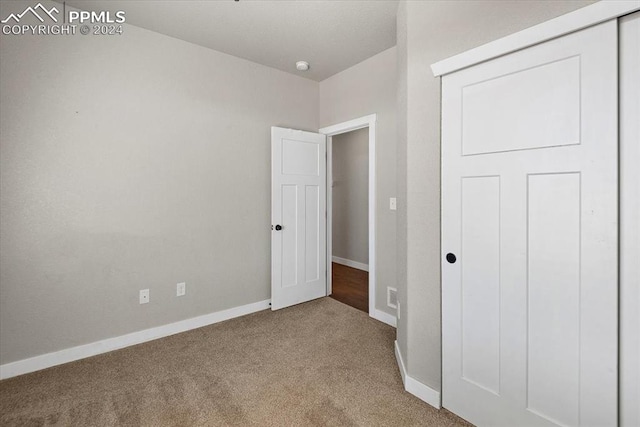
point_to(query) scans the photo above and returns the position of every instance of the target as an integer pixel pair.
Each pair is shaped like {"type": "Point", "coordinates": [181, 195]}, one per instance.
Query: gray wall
{"type": "Point", "coordinates": [350, 209]}
{"type": "Point", "coordinates": [130, 162]}
{"type": "Point", "coordinates": [429, 32]}
{"type": "Point", "coordinates": [402, 328]}
{"type": "Point", "coordinates": [367, 88]}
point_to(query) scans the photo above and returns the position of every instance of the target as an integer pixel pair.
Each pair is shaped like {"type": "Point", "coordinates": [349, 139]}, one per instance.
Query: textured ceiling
{"type": "Point", "coordinates": [331, 35]}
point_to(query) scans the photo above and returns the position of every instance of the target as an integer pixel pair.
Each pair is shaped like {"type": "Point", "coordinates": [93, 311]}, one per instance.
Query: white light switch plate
{"type": "Point", "coordinates": [392, 203]}
{"type": "Point", "coordinates": [181, 289]}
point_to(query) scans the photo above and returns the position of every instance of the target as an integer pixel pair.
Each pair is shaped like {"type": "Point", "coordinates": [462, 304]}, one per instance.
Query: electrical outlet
{"type": "Point", "coordinates": [392, 203]}
{"type": "Point", "coordinates": [144, 296]}
{"type": "Point", "coordinates": [392, 297]}
{"type": "Point", "coordinates": [181, 289]}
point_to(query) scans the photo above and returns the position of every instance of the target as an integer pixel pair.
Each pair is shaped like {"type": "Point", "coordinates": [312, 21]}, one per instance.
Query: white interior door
{"type": "Point", "coordinates": [529, 207]}
{"type": "Point", "coordinates": [298, 216]}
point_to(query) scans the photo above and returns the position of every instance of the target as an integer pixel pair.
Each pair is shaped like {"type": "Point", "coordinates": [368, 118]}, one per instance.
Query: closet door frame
{"type": "Point", "coordinates": [629, 101]}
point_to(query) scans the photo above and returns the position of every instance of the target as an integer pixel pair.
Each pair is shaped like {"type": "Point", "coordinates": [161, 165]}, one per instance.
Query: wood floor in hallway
{"type": "Point", "coordinates": [350, 286]}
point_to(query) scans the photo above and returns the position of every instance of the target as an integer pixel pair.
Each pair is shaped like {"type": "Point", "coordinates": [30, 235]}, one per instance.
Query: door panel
{"type": "Point", "coordinates": [481, 278]}
{"type": "Point", "coordinates": [300, 158]}
{"type": "Point", "coordinates": [289, 258]}
{"type": "Point", "coordinates": [312, 233]}
{"type": "Point", "coordinates": [529, 205]}
{"type": "Point", "coordinates": [553, 286]}
{"type": "Point", "coordinates": [298, 206]}
{"type": "Point", "coordinates": [524, 93]}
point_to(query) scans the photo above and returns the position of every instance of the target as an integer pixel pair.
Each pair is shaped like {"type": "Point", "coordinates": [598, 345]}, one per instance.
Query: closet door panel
{"type": "Point", "coordinates": [530, 209]}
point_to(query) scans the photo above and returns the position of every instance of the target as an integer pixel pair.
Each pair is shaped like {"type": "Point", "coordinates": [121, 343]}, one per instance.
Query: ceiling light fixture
{"type": "Point", "coordinates": [302, 65]}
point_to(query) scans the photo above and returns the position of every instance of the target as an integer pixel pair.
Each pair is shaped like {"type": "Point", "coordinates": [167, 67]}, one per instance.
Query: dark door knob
{"type": "Point", "coordinates": [451, 258]}
{"type": "Point", "coordinates": [278, 227]}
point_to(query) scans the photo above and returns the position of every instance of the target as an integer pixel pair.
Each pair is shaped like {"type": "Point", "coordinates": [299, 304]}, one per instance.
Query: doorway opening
{"type": "Point", "coordinates": [351, 212]}
{"type": "Point", "coordinates": [349, 218]}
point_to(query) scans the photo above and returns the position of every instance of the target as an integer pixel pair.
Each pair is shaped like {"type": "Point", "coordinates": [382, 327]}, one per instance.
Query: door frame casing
{"type": "Point", "coordinates": [579, 19]}
{"type": "Point", "coordinates": [337, 129]}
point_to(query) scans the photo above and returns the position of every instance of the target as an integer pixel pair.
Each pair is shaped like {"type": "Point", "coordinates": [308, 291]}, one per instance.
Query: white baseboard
{"type": "Point", "coordinates": [384, 317]}
{"type": "Point", "coordinates": [350, 263]}
{"type": "Point", "coordinates": [48, 360]}
{"type": "Point", "coordinates": [415, 387]}
{"type": "Point", "coordinates": [403, 371]}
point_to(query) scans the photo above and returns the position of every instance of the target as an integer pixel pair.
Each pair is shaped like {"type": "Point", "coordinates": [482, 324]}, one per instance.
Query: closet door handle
{"type": "Point", "coordinates": [451, 258]}
{"type": "Point", "coordinates": [278, 227]}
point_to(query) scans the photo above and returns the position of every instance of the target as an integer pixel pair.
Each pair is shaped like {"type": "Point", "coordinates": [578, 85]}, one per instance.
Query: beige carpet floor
{"type": "Point", "coordinates": [315, 364]}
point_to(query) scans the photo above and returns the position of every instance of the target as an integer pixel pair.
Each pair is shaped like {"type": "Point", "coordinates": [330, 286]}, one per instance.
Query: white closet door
{"type": "Point", "coordinates": [529, 208]}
